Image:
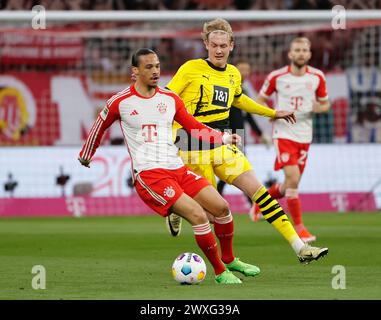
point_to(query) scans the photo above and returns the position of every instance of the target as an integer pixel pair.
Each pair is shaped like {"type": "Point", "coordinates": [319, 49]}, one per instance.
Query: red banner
{"type": "Point", "coordinates": [27, 114]}
{"type": "Point", "coordinates": [39, 47]}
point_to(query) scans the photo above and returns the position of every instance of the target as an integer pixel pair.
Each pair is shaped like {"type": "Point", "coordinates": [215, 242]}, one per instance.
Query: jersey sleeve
{"type": "Point", "coordinates": [105, 119]}
{"type": "Point", "coordinates": [196, 129]}
{"type": "Point", "coordinates": [321, 91]}
{"type": "Point", "coordinates": [268, 87]}
{"type": "Point", "coordinates": [249, 105]}
{"type": "Point", "coordinates": [238, 90]}
{"type": "Point", "coordinates": [180, 80]}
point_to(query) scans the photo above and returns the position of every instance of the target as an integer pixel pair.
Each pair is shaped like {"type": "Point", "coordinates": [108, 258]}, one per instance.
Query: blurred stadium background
{"type": "Point", "coordinates": [54, 81]}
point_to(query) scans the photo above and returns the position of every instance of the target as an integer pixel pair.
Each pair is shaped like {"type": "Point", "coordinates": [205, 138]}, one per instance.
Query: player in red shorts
{"type": "Point", "coordinates": [146, 113]}
{"type": "Point", "coordinates": [300, 88]}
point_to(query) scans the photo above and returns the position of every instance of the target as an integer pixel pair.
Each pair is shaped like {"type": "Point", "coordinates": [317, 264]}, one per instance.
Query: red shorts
{"type": "Point", "coordinates": [289, 153]}
{"type": "Point", "coordinates": [160, 188]}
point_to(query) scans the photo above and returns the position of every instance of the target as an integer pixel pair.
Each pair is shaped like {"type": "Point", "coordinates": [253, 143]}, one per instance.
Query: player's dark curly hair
{"type": "Point", "coordinates": [138, 53]}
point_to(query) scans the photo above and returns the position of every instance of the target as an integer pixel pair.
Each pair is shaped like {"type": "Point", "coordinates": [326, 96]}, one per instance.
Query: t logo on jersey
{"type": "Point", "coordinates": [220, 96]}
{"type": "Point", "coordinates": [149, 132]}
{"type": "Point", "coordinates": [296, 102]}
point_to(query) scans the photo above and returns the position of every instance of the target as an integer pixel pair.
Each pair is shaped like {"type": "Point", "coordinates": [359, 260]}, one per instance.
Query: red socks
{"type": "Point", "coordinates": [274, 191]}
{"type": "Point", "coordinates": [208, 244]}
{"type": "Point", "coordinates": [295, 209]}
{"type": "Point", "coordinates": [224, 229]}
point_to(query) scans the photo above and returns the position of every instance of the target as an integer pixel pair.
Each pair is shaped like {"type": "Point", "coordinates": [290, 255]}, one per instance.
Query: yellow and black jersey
{"type": "Point", "coordinates": [208, 93]}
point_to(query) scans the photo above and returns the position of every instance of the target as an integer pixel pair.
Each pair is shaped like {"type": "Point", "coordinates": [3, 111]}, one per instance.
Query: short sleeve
{"type": "Point", "coordinates": [268, 87]}
{"type": "Point", "coordinates": [321, 91]}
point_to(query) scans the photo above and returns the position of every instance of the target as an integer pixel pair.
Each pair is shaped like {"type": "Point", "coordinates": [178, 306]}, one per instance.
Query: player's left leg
{"type": "Point", "coordinates": [275, 215]}
{"type": "Point", "coordinates": [292, 178]}
{"type": "Point", "coordinates": [270, 208]}
{"type": "Point", "coordinates": [239, 173]}
{"type": "Point", "coordinates": [213, 203]}
{"type": "Point", "coordinates": [200, 163]}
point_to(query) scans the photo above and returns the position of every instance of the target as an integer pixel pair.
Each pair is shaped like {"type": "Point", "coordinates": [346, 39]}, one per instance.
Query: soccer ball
{"type": "Point", "coordinates": [189, 268]}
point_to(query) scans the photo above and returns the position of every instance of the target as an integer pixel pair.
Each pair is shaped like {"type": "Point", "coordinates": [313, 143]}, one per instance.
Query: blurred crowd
{"type": "Point", "coordinates": [188, 4]}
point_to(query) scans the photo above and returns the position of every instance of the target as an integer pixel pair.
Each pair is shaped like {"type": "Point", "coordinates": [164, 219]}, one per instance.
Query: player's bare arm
{"type": "Point", "coordinates": [321, 106]}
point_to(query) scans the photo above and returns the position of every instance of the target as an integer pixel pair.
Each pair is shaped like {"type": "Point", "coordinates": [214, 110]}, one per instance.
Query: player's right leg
{"type": "Point", "coordinates": [274, 213]}
{"type": "Point", "coordinates": [198, 162]}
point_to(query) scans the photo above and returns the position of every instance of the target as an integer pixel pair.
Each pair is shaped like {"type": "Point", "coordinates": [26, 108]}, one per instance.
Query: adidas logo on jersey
{"type": "Point", "coordinates": [134, 113]}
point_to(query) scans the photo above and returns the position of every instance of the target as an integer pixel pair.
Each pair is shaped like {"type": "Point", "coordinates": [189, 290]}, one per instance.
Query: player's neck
{"type": "Point", "coordinates": [297, 71]}
{"type": "Point", "coordinates": [144, 90]}
{"type": "Point", "coordinates": [218, 66]}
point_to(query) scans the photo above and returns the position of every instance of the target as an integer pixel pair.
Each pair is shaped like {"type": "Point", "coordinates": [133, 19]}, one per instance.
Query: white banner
{"type": "Point", "coordinates": [330, 168]}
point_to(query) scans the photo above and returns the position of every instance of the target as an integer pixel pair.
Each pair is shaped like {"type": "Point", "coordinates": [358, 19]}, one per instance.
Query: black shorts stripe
{"type": "Point", "coordinates": [271, 209]}
{"type": "Point", "coordinates": [262, 197]}
{"type": "Point", "coordinates": [276, 216]}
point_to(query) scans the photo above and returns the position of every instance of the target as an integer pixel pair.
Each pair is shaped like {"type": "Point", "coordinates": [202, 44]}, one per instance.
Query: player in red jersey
{"type": "Point", "coordinates": [300, 88]}
{"type": "Point", "coordinates": [146, 113]}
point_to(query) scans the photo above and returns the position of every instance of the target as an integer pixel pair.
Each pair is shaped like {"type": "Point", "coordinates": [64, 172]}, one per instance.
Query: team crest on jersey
{"type": "Point", "coordinates": [231, 79]}
{"type": "Point", "coordinates": [104, 113]}
{"type": "Point", "coordinates": [162, 107]}
{"type": "Point", "coordinates": [309, 85]}
{"type": "Point", "coordinates": [285, 156]}
{"type": "Point", "coordinates": [169, 192]}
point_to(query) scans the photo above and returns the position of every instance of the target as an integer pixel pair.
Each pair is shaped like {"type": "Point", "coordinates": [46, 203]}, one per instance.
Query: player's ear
{"type": "Point", "coordinates": [206, 44]}
{"type": "Point", "coordinates": [135, 70]}
{"type": "Point", "coordinates": [231, 46]}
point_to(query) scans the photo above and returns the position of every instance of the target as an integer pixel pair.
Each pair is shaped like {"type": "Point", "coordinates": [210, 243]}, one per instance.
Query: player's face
{"type": "Point", "coordinates": [245, 70]}
{"type": "Point", "coordinates": [148, 71]}
{"type": "Point", "coordinates": [219, 46]}
{"type": "Point", "coordinates": [299, 54]}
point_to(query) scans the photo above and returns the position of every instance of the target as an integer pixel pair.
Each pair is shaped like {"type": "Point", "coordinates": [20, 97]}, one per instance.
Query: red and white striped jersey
{"type": "Point", "coordinates": [295, 93]}
{"type": "Point", "coordinates": [146, 124]}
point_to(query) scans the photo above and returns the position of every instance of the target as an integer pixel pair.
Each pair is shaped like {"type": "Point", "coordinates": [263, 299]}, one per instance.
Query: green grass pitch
{"type": "Point", "coordinates": [131, 258]}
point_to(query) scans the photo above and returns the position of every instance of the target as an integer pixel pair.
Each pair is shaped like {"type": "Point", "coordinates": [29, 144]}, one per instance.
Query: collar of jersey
{"type": "Point", "coordinates": [133, 90]}
{"type": "Point", "coordinates": [215, 67]}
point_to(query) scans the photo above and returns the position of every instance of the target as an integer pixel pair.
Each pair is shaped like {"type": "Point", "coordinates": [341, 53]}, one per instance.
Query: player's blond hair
{"type": "Point", "coordinates": [216, 25]}
{"type": "Point", "coordinates": [301, 40]}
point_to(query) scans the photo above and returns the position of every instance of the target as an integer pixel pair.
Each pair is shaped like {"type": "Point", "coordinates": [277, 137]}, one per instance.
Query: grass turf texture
{"type": "Point", "coordinates": [131, 258]}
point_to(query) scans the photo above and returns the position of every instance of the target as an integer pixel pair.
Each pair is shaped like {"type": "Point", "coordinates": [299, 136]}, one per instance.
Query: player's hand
{"type": "Point", "coordinates": [289, 116]}
{"type": "Point", "coordinates": [84, 162]}
{"type": "Point", "coordinates": [231, 138]}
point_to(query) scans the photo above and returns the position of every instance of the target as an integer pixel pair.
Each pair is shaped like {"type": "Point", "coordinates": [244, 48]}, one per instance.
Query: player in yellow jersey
{"type": "Point", "coordinates": [208, 88]}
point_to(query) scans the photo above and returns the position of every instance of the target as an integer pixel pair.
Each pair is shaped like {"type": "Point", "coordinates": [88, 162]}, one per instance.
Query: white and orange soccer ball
{"type": "Point", "coordinates": [189, 268]}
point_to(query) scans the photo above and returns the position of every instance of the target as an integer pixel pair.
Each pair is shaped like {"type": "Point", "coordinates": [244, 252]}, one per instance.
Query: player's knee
{"type": "Point", "coordinates": [221, 208]}
{"type": "Point", "coordinates": [197, 216]}
{"type": "Point", "coordinates": [292, 182]}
